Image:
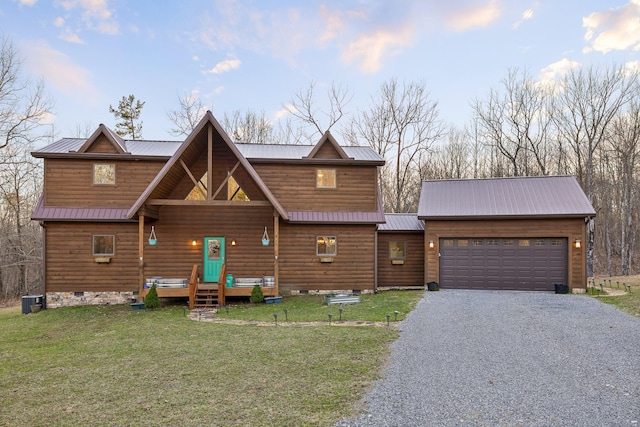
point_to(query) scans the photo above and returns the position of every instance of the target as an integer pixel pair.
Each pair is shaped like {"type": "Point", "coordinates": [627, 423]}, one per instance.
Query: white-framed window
{"type": "Point", "coordinates": [104, 245]}
{"type": "Point", "coordinates": [325, 178]}
{"type": "Point", "coordinates": [326, 245]}
{"type": "Point", "coordinates": [104, 174]}
{"type": "Point", "coordinates": [397, 250]}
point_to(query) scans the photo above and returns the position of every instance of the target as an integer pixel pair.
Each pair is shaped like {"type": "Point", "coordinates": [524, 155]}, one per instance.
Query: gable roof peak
{"type": "Point", "coordinates": [116, 140]}
{"type": "Point", "coordinates": [327, 138]}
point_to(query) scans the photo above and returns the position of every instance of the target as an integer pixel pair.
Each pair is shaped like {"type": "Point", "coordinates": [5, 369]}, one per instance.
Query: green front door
{"type": "Point", "coordinates": [213, 258]}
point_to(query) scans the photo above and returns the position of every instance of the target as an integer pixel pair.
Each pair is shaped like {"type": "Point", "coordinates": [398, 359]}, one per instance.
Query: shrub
{"type": "Point", "coordinates": [256, 295]}
{"type": "Point", "coordinates": [152, 300]}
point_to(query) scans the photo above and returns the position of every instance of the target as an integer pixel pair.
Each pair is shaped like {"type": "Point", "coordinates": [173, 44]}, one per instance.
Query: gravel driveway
{"type": "Point", "coordinates": [501, 358]}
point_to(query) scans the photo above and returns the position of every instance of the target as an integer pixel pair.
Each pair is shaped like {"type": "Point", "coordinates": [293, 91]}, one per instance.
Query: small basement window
{"type": "Point", "coordinates": [104, 174]}
{"type": "Point", "coordinates": [397, 250]}
{"type": "Point", "coordinates": [326, 246]}
{"type": "Point", "coordinates": [325, 178]}
{"type": "Point", "coordinates": [104, 245]}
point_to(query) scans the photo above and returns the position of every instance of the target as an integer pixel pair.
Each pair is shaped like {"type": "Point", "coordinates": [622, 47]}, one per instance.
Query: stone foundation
{"type": "Point", "coordinates": [70, 299]}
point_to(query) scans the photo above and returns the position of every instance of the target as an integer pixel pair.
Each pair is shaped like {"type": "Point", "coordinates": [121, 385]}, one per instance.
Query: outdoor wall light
{"type": "Point", "coordinates": [578, 243]}
{"type": "Point", "coordinates": [431, 244]}
{"type": "Point", "coordinates": [194, 242]}
{"type": "Point", "coordinates": [233, 242]}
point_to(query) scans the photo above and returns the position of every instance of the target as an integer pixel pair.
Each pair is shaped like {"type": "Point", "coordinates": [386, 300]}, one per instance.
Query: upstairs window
{"type": "Point", "coordinates": [104, 245]}
{"type": "Point", "coordinates": [104, 174]}
{"type": "Point", "coordinates": [397, 250]}
{"type": "Point", "coordinates": [326, 246]}
{"type": "Point", "coordinates": [325, 178]}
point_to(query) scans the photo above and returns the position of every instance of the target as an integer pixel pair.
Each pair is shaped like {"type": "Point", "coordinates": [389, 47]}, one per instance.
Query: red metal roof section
{"type": "Point", "coordinates": [402, 222]}
{"type": "Point", "coordinates": [545, 196]}
{"type": "Point", "coordinates": [55, 213]}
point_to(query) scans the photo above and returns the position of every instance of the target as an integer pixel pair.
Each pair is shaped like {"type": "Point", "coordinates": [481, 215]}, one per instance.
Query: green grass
{"type": "Point", "coordinates": [115, 366]}
{"type": "Point", "coordinates": [630, 302]}
{"type": "Point", "coordinates": [310, 308]}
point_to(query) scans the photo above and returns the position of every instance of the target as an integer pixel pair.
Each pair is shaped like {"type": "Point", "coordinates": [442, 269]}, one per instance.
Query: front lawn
{"type": "Point", "coordinates": [630, 302]}
{"type": "Point", "coordinates": [114, 366]}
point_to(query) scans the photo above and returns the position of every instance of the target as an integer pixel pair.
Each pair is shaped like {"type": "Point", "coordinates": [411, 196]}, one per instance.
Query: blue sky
{"type": "Point", "coordinates": [239, 55]}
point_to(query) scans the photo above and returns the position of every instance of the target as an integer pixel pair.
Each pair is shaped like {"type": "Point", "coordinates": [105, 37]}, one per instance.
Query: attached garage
{"type": "Point", "coordinates": [505, 233]}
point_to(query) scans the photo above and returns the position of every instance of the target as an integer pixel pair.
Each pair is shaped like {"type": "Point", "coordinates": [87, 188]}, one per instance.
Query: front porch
{"type": "Point", "coordinates": [210, 294]}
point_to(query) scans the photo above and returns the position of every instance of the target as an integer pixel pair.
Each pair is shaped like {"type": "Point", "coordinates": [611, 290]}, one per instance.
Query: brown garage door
{"type": "Point", "coordinates": [513, 263]}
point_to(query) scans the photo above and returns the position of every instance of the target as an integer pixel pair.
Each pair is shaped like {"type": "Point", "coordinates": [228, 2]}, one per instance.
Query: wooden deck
{"type": "Point", "coordinates": [208, 294]}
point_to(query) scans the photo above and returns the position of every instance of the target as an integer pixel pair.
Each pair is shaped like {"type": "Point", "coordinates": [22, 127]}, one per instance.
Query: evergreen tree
{"type": "Point", "coordinates": [128, 112]}
{"type": "Point", "coordinates": [152, 300]}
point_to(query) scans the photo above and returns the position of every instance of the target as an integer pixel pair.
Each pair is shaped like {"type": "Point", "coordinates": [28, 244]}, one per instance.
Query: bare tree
{"type": "Point", "coordinates": [304, 106]}
{"type": "Point", "coordinates": [250, 127]}
{"type": "Point", "coordinates": [624, 142]}
{"type": "Point", "coordinates": [23, 104]}
{"type": "Point", "coordinates": [516, 122]}
{"type": "Point", "coordinates": [586, 104]}
{"type": "Point", "coordinates": [187, 116]}
{"type": "Point", "coordinates": [401, 124]}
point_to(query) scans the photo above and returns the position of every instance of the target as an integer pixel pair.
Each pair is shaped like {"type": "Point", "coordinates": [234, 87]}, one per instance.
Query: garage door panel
{"type": "Point", "coordinates": [503, 263]}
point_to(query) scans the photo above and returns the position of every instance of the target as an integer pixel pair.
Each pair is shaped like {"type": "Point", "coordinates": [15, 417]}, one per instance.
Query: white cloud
{"type": "Point", "coordinates": [27, 2]}
{"type": "Point", "coordinates": [95, 14]}
{"type": "Point", "coordinates": [284, 111]}
{"type": "Point", "coordinates": [474, 16]}
{"type": "Point", "coordinates": [224, 66]}
{"type": "Point", "coordinates": [218, 90]}
{"type": "Point", "coordinates": [195, 58]}
{"type": "Point", "coordinates": [614, 29]}
{"type": "Point", "coordinates": [369, 50]}
{"type": "Point", "coordinates": [526, 15]}
{"type": "Point", "coordinates": [557, 70]}
{"type": "Point", "coordinates": [632, 67]}
{"type": "Point", "coordinates": [71, 37]}
{"type": "Point", "coordinates": [59, 22]}
{"type": "Point", "coordinates": [59, 72]}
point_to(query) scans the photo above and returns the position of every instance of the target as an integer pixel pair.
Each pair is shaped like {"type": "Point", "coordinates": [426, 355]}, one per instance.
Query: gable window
{"type": "Point", "coordinates": [325, 178]}
{"type": "Point", "coordinates": [397, 250]}
{"type": "Point", "coordinates": [104, 244]}
{"type": "Point", "coordinates": [104, 174]}
{"type": "Point", "coordinates": [326, 245]}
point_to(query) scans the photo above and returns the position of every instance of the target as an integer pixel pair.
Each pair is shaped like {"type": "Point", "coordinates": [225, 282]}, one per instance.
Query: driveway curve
{"type": "Point", "coordinates": [500, 358]}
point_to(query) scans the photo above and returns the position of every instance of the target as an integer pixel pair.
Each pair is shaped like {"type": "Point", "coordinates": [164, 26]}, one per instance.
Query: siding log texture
{"type": "Point", "coordinates": [352, 268]}
{"type": "Point", "coordinates": [174, 255]}
{"type": "Point", "coordinates": [295, 187]}
{"type": "Point", "coordinates": [571, 229]}
{"type": "Point", "coordinates": [411, 273]}
{"type": "Point", "coordinates": [69, 183]}
{"type": "Point", "coordinates": [71, 266]}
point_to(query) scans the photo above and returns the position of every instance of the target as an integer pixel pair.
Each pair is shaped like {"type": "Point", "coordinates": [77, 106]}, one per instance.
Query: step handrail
{"type": "Point", "coordinates": [222, 285]}
{"type": "Point", "coordinates": [193, 286]}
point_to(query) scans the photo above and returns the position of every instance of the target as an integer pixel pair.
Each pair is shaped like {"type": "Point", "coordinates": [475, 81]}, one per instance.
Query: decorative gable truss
{"type": "Point", "coordinates": [206, 169]}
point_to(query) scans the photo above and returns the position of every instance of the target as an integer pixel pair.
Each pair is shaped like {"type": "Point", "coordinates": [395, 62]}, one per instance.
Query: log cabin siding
{"type": "Point", "coordinates": [69, 182]}
{"type": "Point", "coordinates": [174, 255]}
{"type": "Point", "coordinates": [102, 145]}
{"type": "Point", "coordinates": [571, 229]}
{"type": "Point", "coordinates": [295, 187]}
{"type": "Point", "coordinates": [411, 272]}
{"type": "Point", "coordinates": [71, 266]}
{"type": "Point", "coordinates": [353, 268]}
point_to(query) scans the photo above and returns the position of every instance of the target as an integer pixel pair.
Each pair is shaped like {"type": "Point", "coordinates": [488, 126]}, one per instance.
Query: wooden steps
{"type": "Point", "coordinates": [206, 296]}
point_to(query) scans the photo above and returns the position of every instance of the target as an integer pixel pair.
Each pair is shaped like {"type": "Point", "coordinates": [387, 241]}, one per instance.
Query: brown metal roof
{"type": "Point", "coordinates": [402, 222]}
{"type": "Point", "coordinates": [54, 213]}
{"type": "Point", "coordinates": [549, 196]}
{"type": "Point", "coordinates": [306, 217]}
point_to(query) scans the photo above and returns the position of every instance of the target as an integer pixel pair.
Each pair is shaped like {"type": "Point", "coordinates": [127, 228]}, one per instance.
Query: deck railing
{"type": "Point", "coordinates": [222, 285]}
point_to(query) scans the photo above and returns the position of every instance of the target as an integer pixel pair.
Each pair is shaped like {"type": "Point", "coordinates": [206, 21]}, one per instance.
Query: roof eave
{"type": "Point", "coordinates": [97, 156]}
{"type": "Point", "coordinates": [313, 161]}
{"type": "Point", "coordinates": [486, 217]}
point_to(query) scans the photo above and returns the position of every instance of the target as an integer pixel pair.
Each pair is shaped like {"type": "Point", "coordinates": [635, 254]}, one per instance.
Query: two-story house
{"type": "Point", "coordinates": [120, 215]}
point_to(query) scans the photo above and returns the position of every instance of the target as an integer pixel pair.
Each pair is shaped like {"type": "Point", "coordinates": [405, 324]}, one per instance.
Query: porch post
{"type": "Point", "coordinates": [140, 256]}
{"type": "Point", "coordinates": [276, 248]}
